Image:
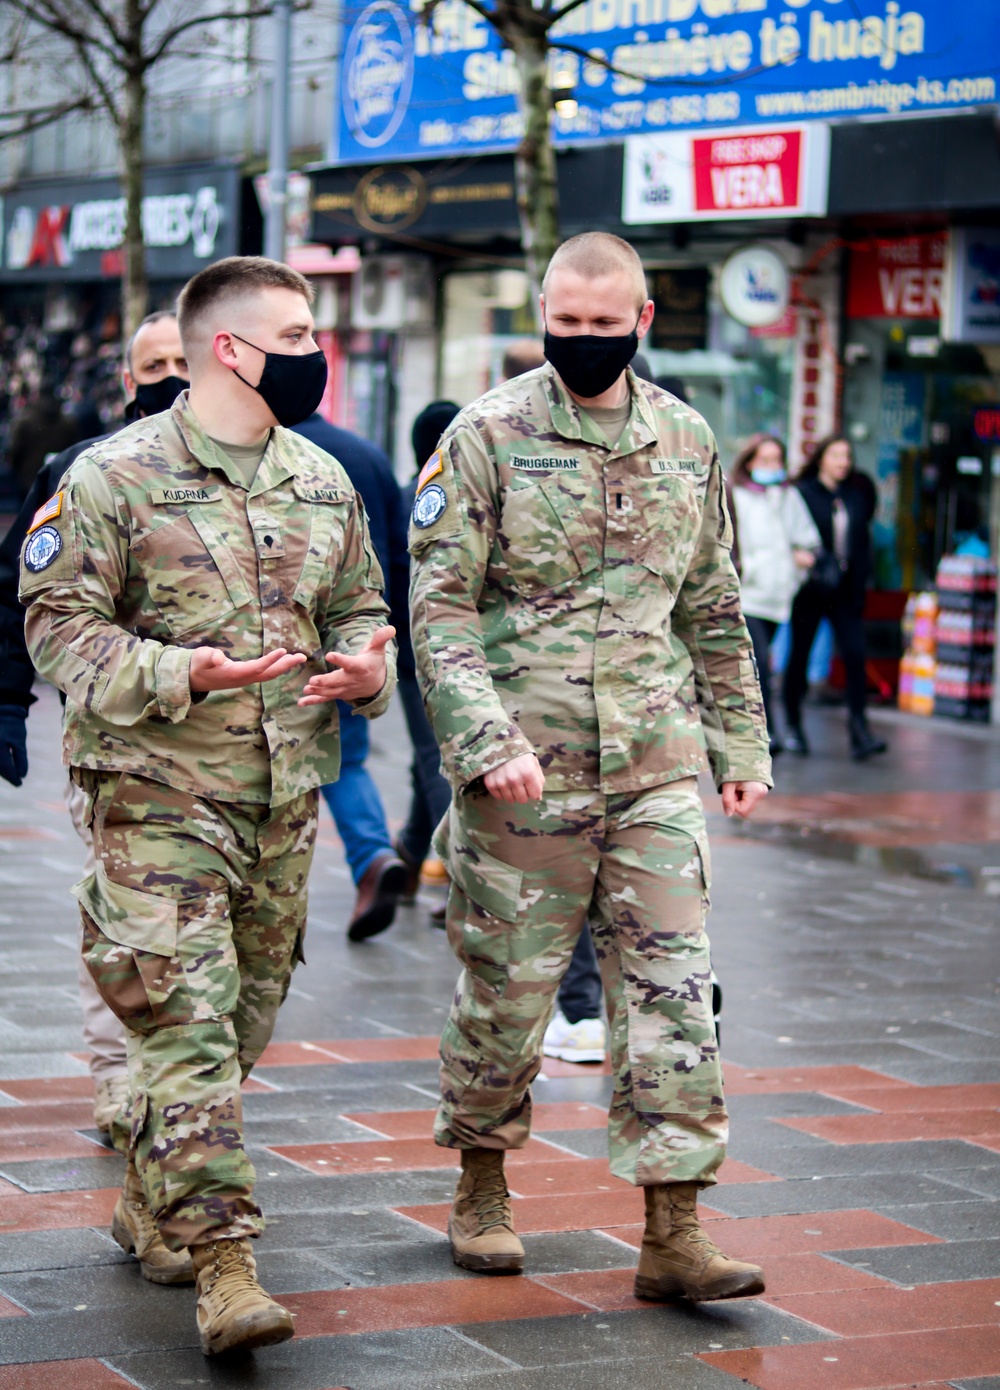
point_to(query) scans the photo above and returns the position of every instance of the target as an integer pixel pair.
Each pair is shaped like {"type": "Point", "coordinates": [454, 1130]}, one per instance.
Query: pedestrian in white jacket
{"type": "Point", "coordinates": [777, 542]}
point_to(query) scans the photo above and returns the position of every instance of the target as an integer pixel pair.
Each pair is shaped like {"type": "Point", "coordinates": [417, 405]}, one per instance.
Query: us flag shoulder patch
{"type": "Point", "coordinates": [48, 512]}
{"type": "Point", "coordinates": [433, 466]}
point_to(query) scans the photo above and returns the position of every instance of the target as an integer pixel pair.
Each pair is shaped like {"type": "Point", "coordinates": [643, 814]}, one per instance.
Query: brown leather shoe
{"type": "Point", "coordinates": [378, 891]}
{"type": "Point", "coordinates": [481, 1225]}
{"type": "Point", "coordinates": [677, 1257]}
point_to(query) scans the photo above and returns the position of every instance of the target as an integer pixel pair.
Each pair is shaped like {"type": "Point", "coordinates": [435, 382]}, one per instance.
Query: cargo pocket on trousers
{"type": "Point", "coordinates": [493, 889]}
{"type": "Point", "coordinates": [133, 954]}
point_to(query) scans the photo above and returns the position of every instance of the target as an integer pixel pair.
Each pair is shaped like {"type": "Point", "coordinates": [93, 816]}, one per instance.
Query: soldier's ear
{"type": "Point", "coordinates": [645, 318]}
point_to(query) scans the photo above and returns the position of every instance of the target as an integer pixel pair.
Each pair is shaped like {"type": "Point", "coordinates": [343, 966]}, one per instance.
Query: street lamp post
{"type": "Point", "coordinates": [277, 173]}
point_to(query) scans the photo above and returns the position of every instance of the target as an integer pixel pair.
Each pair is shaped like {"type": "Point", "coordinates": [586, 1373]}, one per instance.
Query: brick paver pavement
{"type": "Point", "coordinates": [861, 1036]}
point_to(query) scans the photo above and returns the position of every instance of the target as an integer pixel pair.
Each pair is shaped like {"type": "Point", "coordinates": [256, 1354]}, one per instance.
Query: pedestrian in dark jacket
{"type": "Point", "coordinates": [841, 502]}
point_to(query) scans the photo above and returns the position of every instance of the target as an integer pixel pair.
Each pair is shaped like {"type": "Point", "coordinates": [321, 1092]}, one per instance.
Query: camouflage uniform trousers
{"type": "Point", "coordinates": [192, 925]}
{"type": "Point", "coordinates": [635, 867]}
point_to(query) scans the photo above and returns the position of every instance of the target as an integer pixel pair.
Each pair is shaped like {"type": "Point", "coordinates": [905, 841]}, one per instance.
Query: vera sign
{"type": "Point", "coordinates": [777, 172]}
{"type": "Point", "coordinates": [757, 172]}
{"type": "Point", "coordinates": [897, 279]}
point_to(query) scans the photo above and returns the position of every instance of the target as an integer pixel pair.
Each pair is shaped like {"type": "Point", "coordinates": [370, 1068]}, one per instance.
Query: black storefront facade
{"type": "Point", "coordinates": [60, 273]}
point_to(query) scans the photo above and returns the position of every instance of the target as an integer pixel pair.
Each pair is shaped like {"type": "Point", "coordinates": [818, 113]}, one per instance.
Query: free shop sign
{"type": "Point", "coordinates": [761, 171]}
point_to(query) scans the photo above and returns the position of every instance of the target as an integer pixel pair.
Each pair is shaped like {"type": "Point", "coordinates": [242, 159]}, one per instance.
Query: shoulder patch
{"type": "Point", "coordinates": [42, 549]}
{"type": "Point", "coordinates": [433, 466]}
{"type": "Point", "coordinates": [430, 506]}
{"type": "Point", "coordinates": [161, 495]}
{"type": "Point", "coordinates": [48, 512]}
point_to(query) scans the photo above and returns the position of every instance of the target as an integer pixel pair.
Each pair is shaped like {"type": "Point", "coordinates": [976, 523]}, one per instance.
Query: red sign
{"type": "Point", "coordinates": [748, 171]}
{"type": "Point", "coordinates": [986, 423]}
{"type": "Point", "coordinates": [898, 279]}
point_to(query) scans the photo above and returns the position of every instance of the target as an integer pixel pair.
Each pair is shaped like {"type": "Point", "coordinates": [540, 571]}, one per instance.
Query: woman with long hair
{"type": "Point", "coordinates": [777, 544]}
{"type": "Point", "coordinates": [842, 504]}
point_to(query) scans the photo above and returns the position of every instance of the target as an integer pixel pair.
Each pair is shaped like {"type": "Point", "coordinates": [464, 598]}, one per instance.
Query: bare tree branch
{"type": "Point", "coordinates": [107, 20]}
{"type": "Point", "coordinates": [52, 18]}
{"type": "Point", "coordinates": [562, 12]}
{"type": "Point", "coordinates": [199, 22]}
{"type": "Point", "coordinates": [42, 116]}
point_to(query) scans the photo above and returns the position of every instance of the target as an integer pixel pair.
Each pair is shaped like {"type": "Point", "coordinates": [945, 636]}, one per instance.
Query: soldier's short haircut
{"type": "Point", "coordinates": [233, 278]}
{"type": "Point", "coordinates": [155, 317]}
{"type": "Point", "coordinates": [592, 254]}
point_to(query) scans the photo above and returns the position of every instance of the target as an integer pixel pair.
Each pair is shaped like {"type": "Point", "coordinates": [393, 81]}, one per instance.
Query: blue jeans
{"type": "Point", "coordinates": [353, 799]}
{"type": "Point", "coordinates": [580, 992]}
{"type": "Point", "coordinates": [431, 794]}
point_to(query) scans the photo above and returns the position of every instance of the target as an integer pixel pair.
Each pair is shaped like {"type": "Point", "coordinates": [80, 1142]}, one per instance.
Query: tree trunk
{"type": "Point", "coordinates": [135, 288]}
{"type": "Point", "coordinates": [535, 162]}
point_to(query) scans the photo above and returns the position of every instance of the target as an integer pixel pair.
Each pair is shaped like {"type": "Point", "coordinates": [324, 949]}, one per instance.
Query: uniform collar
{"type": "Point", "coordinates": [573, 423]}
{"type": "Point", "coordinates": [277, 465]}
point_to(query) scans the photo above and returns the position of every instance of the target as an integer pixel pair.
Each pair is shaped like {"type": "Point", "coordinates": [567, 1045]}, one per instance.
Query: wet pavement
{"type": "Point", "coordinates": [860, 1032]}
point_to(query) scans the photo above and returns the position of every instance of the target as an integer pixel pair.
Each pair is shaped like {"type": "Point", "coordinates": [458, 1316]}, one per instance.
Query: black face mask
{"type": "Point", "coordinates": [292, 385]}
{"type": "Point", "coordinates": [152, 397]}
{"type": "Point", "coordinates": [590, 362]}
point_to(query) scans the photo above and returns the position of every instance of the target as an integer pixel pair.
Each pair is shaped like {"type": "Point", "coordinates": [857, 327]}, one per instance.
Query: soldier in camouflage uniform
{"type": "Point", "coordinates": [576, 620]}
{"type": "Point", "coordinates": [189, 587]}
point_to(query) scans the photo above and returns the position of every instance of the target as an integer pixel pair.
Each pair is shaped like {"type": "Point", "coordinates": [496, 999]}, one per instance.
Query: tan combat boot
{"type": "Point", "coordinates": [110, 1096]}
{"type": "Point", "coordinates": [233, 1309]}
{"type": "Point", "coordinates": [135, 1230]}
{"type": "Point", "coordinates": [481, 1226]}
{"type": "Point", "coordinates": [677, 1256]}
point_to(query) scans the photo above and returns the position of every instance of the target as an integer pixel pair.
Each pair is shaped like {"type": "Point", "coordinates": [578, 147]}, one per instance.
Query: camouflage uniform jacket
{"type": "Point", "coordinates": [579, 601]}
{"type": "Point", "coordinates": [153, 546]}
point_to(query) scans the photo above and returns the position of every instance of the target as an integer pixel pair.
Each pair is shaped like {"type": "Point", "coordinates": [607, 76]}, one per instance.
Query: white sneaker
{"type": "Point", "coordinates": [584, 1041]}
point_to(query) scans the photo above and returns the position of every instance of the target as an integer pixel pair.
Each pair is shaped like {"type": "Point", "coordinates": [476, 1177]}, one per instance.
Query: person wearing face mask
{"type": "Point", "coordinates": [576, 622]}
{"type": "Point", "coordinates": [154, 372]}
{"type": "Point", "coordinates": [841, 502]}
{"type": "Point", "coordinates": [203, 587]}
{"type": "Point", "coordinates": [777, 543]}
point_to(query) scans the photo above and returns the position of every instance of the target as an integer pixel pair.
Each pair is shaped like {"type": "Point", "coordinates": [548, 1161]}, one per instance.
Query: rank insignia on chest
{"type": "Point", "coordinates": [433, 466]}
{"type": "Point", "coordinates": [48, 512]}
{"type": "Point", "coordinates": [430, 505]}
{"type": "Point", "coordinates": [42, 548]}
{"type": "Point", "coordinates": [544, 463]}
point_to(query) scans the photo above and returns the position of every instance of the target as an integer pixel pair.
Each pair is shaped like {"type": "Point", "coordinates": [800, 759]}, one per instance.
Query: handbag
{"type": "Point", "coordinates": [826, 573]}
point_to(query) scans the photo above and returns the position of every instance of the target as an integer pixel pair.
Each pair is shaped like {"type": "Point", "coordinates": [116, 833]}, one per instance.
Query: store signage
{"type": "Point", "coordinates": [897, 278]}
{"type": "Point", "coordinates": [755, 286]}
{"type": "Point", "coordinates": [434, 78]}
{"type": "Point", "coordinates": [777, 172]}
{"type": "Point", "coordinates": [972, 286]}
{"type": "Point", "coordinates": [74, 230]}
{"type": "Point", "coordinates": [395, 198]}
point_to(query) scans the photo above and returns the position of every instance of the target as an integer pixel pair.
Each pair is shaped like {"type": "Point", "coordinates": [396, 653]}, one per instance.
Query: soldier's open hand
{"type": "Point", "coordinates": [520, 779]}
{"type": "Point", "coordinates": [740, 798]}
{"type": "Point", "coordinates": [211, 669]}
{"type": "Point", "coordinates": [359, 675]}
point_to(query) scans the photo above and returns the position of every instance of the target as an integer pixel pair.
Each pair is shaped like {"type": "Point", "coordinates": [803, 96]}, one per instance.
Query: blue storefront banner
{"type": "Point", "coordinates": [446, 86]}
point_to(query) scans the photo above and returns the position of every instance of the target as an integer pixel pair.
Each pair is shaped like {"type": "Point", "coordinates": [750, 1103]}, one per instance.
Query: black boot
{"type": "Point", "coordinates": [863, 742]}
{"type": "Point", "coordinates": [795, 739]}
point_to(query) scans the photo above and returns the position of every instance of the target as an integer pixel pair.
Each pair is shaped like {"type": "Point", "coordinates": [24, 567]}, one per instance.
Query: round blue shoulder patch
{"type": "Point", "coordinates": [430, 505]}
{"type": "Point", "coordinates": [42, 548]}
